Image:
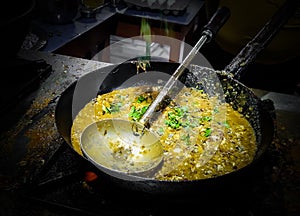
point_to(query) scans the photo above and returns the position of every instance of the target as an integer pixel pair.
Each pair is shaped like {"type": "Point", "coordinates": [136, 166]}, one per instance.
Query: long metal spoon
{"type": "Point", "coordinates": [113, 146]}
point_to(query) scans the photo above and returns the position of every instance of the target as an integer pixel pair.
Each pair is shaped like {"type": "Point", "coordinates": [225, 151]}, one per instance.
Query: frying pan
{"type": "Point", "coordinates": [237, 94]}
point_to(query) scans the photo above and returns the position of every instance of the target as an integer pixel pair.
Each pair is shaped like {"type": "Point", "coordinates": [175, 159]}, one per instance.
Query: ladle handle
{"type": "Point", "coordinates": [208, 32]}
{"type": "Point", "coordinates": [215, 23]}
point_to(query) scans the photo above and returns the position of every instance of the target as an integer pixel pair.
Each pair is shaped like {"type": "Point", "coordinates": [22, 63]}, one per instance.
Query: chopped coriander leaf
{"type": "Point", "coordinates": [216, 110]}
{"type": "Point", "coordinates": [178, 112]}
{"type": "Point", "coordinates": [141, 99]}
{"type": "Point", "coordinates": [106, 110]}
{"type": "Point", "coordinates": [114, 107]}
{"type": "Point", "coordinates": [187, 139]}
{"type": "Point", "coordinates": [173, 121]}
{"type": "Point", "coordinates": [181, 111]}
{"type": "Point", "coordinates": [160, 131]}
{"type": "Point", "coordinates": [205, 119]}
{"type": "Point", "coordinates": [226, 124]}
{"type": "Point", "coordinates": [207, 132]}
{"type": "Point", "coordinates": [136, 114]}
{"type": "Point", "coordinates": [175, 117]}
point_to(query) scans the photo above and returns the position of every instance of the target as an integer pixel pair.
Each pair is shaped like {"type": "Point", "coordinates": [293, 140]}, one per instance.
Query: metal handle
{"type": "Point", "coordinates": [215, 23]}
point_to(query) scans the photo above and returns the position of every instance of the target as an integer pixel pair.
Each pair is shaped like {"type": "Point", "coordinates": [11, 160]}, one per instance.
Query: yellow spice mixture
{"type": "Point", "coordinates": [201, 137]}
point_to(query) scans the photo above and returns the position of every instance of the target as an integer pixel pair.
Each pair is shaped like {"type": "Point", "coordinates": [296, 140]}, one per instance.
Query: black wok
{"type": "Point", "coordinates": [259, 118]}
{"type": "Point", "coordinates": [237, 94]}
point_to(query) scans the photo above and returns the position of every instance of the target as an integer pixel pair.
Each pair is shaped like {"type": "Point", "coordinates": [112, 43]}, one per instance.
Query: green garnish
{"type": "Point", "coordinates": [207, 132]}
{"type": "Point", "coordinates": [141, 99]}
{"type": "Point", "coordinates": [136, 114]}
{"type": "Point", "coordinates": [160, 131]}
{"type": "Point", "coordinates": [173, 123]}
{"type": "Point", "coordinates": [226, 124]}
{"type": "Point", "coordinates": [205, 118]}
{"type": "Point", "coordinates": [114, 107]}
{"type": "Point", "coordinates": [216, 110]}
{"type": "Point", "coordinates": [187, 139]}
{"type": "Point", "coordinates": [174, 117]}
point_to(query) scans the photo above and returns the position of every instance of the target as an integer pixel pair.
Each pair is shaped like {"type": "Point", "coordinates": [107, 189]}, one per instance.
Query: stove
{"type": "Point", "coordinates": [40, 174]}
{"type": "Point", "coordinates": [69, 185]}
{"type": "Point", "coordinates": [20, 78]}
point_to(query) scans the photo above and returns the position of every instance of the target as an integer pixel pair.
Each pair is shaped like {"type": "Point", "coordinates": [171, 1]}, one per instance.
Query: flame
{"type": "Point", "coordinates": [90, 176]}
{"type": "Point", "coordinates": [145, 32]}
{"type": "Point", "coordinates": [168, 29]}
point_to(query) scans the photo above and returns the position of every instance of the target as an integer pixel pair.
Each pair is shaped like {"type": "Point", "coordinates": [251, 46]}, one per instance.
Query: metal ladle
{"type": "Point", "coordinates": [117, 145]}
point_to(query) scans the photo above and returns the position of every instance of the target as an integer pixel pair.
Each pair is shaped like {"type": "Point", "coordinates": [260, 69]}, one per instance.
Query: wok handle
{"type": "Point", "coordinates": [261, 39]}
{"type": "Point", "coordinates": [216, 22]}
